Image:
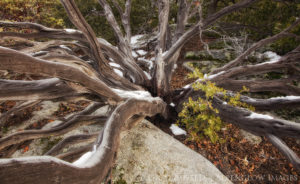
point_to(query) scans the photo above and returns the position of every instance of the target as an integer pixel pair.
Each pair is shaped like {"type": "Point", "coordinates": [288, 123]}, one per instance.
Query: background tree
{"type": "Point", "coordinates": [94, 69]}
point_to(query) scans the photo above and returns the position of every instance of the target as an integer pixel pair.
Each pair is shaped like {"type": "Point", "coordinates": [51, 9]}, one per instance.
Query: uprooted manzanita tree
{"type": "Point", "coordinates": [111, 75]}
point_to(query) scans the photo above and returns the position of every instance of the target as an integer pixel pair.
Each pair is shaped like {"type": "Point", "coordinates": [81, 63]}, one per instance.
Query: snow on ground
{"type": "Point", "coordinates": [141, 52]}
{"type": "Point", "coordinates": [135, 39]}
{"type": "Point", "coordinates": [176, 130]}
{"type": "Point", "coordinates": [254, 115]}
{"type": "Point", "coordinates": [134, 54]}
{"type": "Point", "coordinates": [119, 72]}
{"type": "Point", "coordinates": [150, 62]}
{"type": "Point", "coordinates": [172, 104]}
{"type": "Point", "coordinates": [115, 65]}
{"type": "Point", "coordinates": [273, 57]}
{"type": "Point", "coordinates": [287, 97]}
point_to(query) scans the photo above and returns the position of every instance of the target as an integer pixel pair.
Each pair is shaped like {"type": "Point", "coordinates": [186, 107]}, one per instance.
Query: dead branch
{"type": "Point", "coordinates": [70, 124]}
{"type": "Point", "coordinates": [285, 150]}
{"type": "Point", "coordinates": [23, 63]}
{"type": "Point", "coordinates": [257, 45]}
{"type": "Point", "coordinates": [71, 140]}
{"type": "Point", "coordinates": [101, 160]}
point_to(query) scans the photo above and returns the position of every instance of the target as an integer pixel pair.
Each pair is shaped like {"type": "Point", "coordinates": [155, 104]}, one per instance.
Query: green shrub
{"type": "Point", "coordinates": [199, 116]}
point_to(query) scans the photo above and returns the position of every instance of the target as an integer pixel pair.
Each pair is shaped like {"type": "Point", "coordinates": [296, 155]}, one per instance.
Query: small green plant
{"type": "Point", "coordinates": [50, 142]}
{"type": "Point", "coordinates": [199, 116]}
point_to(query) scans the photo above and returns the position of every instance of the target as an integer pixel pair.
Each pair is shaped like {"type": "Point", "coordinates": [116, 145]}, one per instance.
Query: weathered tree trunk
{"type": "Point", "coordinates": [95, 77]}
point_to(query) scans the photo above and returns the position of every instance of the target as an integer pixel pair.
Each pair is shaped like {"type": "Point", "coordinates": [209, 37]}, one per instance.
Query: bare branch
{"type": "Point", "coordinates": [164, 7]}
{"type": "Point", "coordinates": [182, 17]}
{"type": "Point", "coordinates": [285, 150]}
{"type": "Point", "coordinates": [72, 123]}
{"type": "Point", "coordinates": [257, 45]}
{"type": "Point", "coordinates": [43, 32]}
{"type": "Point", "coordinates": [35, 90]}
{"type": "Point", "coordinates": [73, 155]}
{"type": "Point", "coordinates": [16, 109]}
{"type": "Point", "coordinates": [206, 23]}
{"type": "Point", "coordinates": [107, 74]}
{"type": "Point", "coordinates": [74, 139]}
{"type": "Point", "coordinates": [123, 45]}
{"type": "Point", "coordinates": [284, 102]}
{"type": "Point", "coordinates": [23, 63]}
{"type": "Point", "coordinates": [284, 86]}
{"type": "Point", "coordinates": [96, 167]}
{"type": "Point", "coordinates": [125, 17]}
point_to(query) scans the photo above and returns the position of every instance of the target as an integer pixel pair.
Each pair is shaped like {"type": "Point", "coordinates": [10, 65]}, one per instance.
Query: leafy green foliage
{"type": "Point", "coordinates": [199, 116]}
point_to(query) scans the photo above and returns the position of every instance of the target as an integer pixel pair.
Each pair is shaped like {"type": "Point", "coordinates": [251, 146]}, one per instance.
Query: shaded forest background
{"type": "Point", "coordinates": [264, 19]}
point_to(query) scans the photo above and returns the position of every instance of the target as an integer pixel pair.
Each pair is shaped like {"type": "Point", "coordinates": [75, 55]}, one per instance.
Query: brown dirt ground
{"type": "Point", "coordinates": [238, 159]}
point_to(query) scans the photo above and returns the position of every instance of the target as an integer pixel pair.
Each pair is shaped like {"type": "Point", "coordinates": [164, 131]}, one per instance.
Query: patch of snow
{"type": "Point", "coordinates": [147, 75]}
{"type": "Point", "coordinates": [39, 53]}
{"type": "Point", "coordinates": [134, 39]}
{"type": "Point", "coordinates": [273, 57]}
{"type": "Point", "coordinates": [287, 97]}
{"type": "Point", "coordinates": [111, 59]}
{"type": "Point", "coordinates": [115, 65]}
{"type": "Point", "coordinates": [141, 52]}
{"type": "Point", "coordinates": [118, 72]}
{"type": "Point", "coordinates": [83, 159]}
{"type": "Point", "coordinates": [65, 47]}
{"type": "Point", "coordinates": [176, 130]}
{"type": "Point", "coordinates": [150, 63]}
{"type": "Point", "coordinates": [187, 86]}
{"type": "Point", "coordinates": [71, 30]}
{"type": "Point", "coordinates": [254, 115]}
{"type": "Point", "coordinates": [175, 66]}
{"type": "Point", "coordinates": [134, 54]}
{"type": "Point", "coordinates": [224, 103]}
{"type": "Point", "coordinates": [172, 104]}
{"type": "Point", "coordinates": [142, 95]}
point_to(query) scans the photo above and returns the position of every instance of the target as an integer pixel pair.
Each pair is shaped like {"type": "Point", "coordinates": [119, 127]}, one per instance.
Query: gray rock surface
{"type": "Point", "coordinates": [253, 139]}
{"type": "Point", "coordinates": [149, 156]}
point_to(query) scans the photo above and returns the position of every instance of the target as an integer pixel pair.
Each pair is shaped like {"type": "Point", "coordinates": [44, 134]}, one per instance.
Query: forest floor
{"type": "Point", "coordinates": [238, 159]}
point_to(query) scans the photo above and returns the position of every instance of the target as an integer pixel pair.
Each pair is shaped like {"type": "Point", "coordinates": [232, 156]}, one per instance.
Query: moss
{"type": "Point", "coordinates": [216, 45]}
{"type": "Point", "coordinates": [119, 179]}
{"type": "Point", "coordinates": [50, 142]}
{"type": "Point", "coordinates": [4, 130]}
